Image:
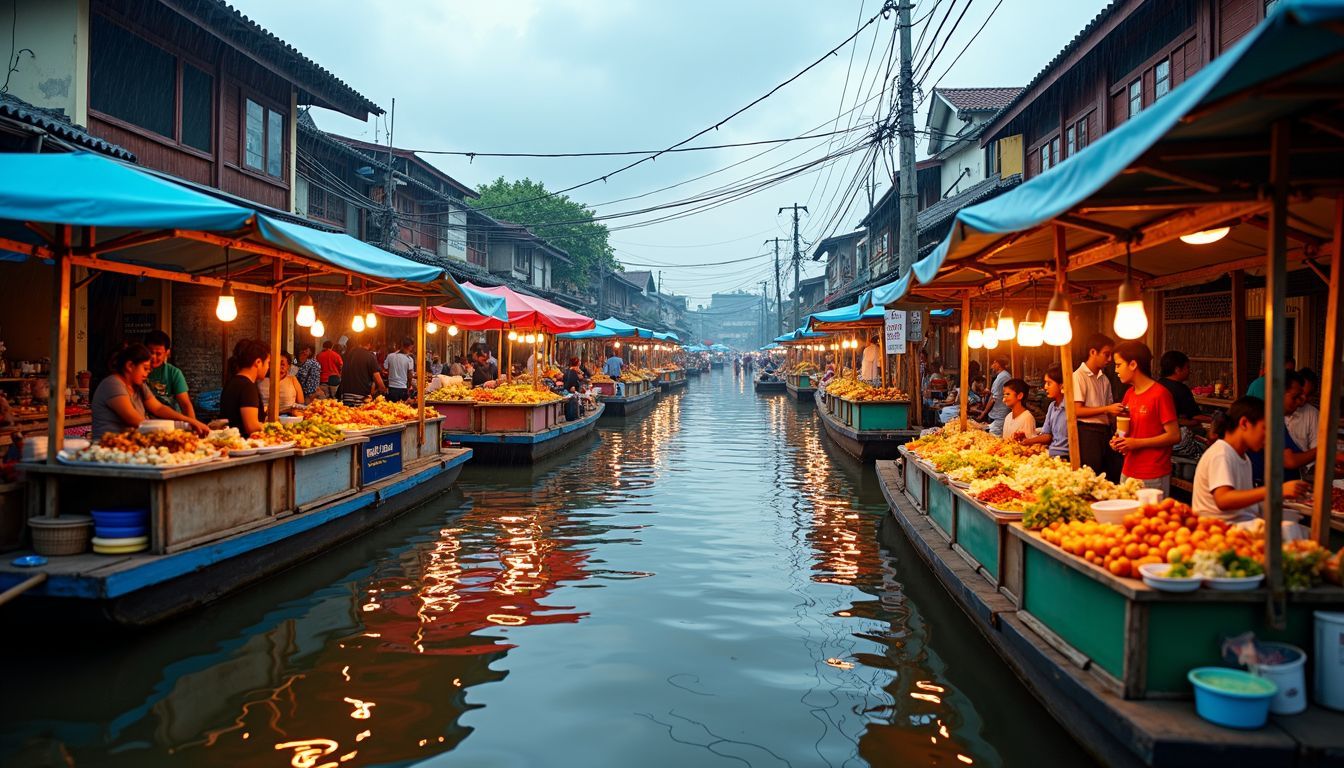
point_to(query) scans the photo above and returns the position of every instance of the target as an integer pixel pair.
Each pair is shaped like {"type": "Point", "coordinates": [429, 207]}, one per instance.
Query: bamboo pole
{"type": "Point", "coordinates": [1330, 383]}
{"type": "Point", "coordinates": [1066, 351]}
{"type": "Point", "coordinates": [60, 351]}
{"type": "Point", "coordinates": [277, 308]}
{"type": "Point", "coordinates": [965, 361]}
{"type": "Point", "coordinates": [420, 375]}
{"type": "Point", "coordinates": [1276, 307]}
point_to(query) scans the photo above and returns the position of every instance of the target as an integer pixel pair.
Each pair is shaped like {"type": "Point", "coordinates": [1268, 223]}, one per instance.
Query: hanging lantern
{"type": "Point", "coordinates": [432, 327]}
{"type": "Point", "coordinates": [1206, 236]}
{"type": "Point", "coordinates": [1005, 329]}
{"type": "Point", "coordinates": [1058, 330]}
{"type": "Point", "coordinates": [318, 329]}
{"type": "Point", "coordinates": [541, 337]}
{"type": "Point", "coordinates": [1131, 321]}
{"type": "Point", "coordinates": [357, 323]}
{"type": "Point", "coordinates": [1030, 332]}
{"type": "Point", "coordinates": [306, 314]}
{"type": "Point", "coordinates": [975, 338]}
{"type": "Point", "coordinates": [617, 345]}
{"type": "Point", "coordinates": [513, 335]}
{"type": "Point", "coordinates": [226, 307]}
{"type": "Point", "coordinates": [370, 320]}
{"type": "Point", "coordinates": [990, 329]}
{"type": "Point", "coordinates": [531, 339]}
{"type": "Point", "coordinates": [452, 330]}
{"type": "Point", "coordinates": [990, 339]}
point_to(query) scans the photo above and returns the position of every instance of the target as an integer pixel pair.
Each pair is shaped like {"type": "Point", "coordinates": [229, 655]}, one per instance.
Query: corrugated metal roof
{"type": "Point", "coordinates": [57, 124]}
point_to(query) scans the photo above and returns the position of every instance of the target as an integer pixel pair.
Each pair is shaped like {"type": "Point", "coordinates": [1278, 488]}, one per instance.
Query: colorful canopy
{"type": "Point", "coordinates": [1129, 181]}
{"type": "Point", "coordinates": [853, 313]}
{"type": "Point", "coordinates": [611, 328]}
{"type": "Point", "coordinates": [521, 310]}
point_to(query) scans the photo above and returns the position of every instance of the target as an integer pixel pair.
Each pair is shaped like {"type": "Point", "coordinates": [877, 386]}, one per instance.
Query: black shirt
{"type": "Point", "coordinates": [239, 393]}
{"type": "Point", "coordinates": [573, 380]}
{"type": "Point", "coordinates": [484, 372]}
{"type": "Point", "coordinates": [1186, 407]}
{"type": "Point", "coordinates": [357, 375]}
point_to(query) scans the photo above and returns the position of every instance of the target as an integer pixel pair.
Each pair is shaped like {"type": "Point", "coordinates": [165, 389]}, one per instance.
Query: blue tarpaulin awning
{"type": "Point", "coordinates": [610, 328]}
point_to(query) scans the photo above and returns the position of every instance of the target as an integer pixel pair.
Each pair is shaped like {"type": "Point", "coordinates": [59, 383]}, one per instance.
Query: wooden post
{"type": "Point", "coordinates": [1276, 306]}
{"type": "Point", "coordinates": [420, 374]}
{"type": "Point", "coordinates": [60, 353]}
{"type": "Point", "coordinates": [965, 355]}
{"type": "Point", "coordinates": [1066, 351]}
{"type": "Point", "coordinates": [1330, 381]}
{"type": "Point", "coordinates": [277, 308]}
{"type": "Point", "coordinates": [1239, 381]}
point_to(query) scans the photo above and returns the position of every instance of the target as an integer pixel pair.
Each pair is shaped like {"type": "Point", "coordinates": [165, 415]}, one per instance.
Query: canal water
{"type": "Point", "coordinates": [708, 583]}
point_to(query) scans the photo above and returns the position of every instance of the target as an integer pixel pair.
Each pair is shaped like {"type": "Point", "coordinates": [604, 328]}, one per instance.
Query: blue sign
{"type": "Point", "coordinates": [382, 457]}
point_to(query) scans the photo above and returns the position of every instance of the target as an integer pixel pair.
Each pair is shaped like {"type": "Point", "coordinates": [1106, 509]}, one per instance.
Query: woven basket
{"type": "Point", "coordinates": [61, 539]}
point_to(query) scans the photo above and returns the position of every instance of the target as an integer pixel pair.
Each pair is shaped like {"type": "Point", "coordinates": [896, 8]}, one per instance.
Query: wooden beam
{"type": "Point", "coordinates": [136, 270]}
{"type": "Point", "coordinates": [277, 306]}
{"type": "Point", "coordinates": [1066, 352]}
{"type": "Point", "coordinates": [28, 249]}
{"type": "Point", "coordinates": [420, 374]}
{"type": "Point", "coordinates": [1276, 327]}
{"type": "Point", "coordinates": [1306, 238]}
{"type": "Point", "coordinates": [1098, 227]}
{"type": "Point", "coordinates": [965, 356]}
{"type": "Point", "coordinates": [1326, 124]}
{"type": "Point", "coordinates": [1330, 385]}
{"type": "Point", "coordinates": [1184, 178]}
{"type": "Point", "coordinates": [60, 356]}
{"type": "Point", "coordinates": [1155, 201]}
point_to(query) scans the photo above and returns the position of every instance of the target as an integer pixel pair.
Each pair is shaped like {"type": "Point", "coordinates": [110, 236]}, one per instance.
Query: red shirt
{"type": "Point", "coordinates": [1148, 412]}
{"type": "Point", "coordinates": [331, 363]}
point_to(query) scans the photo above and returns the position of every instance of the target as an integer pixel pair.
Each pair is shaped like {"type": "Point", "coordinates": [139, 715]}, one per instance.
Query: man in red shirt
{"type": "Point", "coordinates": [331, 363]}
{"type": "Point", "coordinates": [1152, 427]}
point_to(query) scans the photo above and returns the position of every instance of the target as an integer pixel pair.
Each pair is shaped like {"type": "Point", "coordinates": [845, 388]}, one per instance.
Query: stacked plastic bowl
{"type": "Point", "coordinates": [120, 531]}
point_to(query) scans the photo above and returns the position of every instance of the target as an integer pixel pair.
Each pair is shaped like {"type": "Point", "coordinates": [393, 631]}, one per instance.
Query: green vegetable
{"type": "Point", "coordinates": [1178, 570]}
{"type": "Point", "coordinates": [1052, 505]}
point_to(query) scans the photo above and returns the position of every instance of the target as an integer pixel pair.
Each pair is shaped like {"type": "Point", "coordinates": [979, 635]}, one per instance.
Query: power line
{"type": "Point", "coordinates": [946, 40]}
{"type": "Point", "coordinates": [937, 82]}
{"type": "Point", "coordinates": [618, 153]}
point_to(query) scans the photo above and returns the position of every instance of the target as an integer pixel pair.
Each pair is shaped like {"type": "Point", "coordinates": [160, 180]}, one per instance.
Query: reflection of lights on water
{"type": "Point", "coordinates": [345, 672]}
{"type": "Point", "coordinates": [362, 735]}
{"type": "Point", "coordinates": [839, 663]}
{"type": "Point", "coordinates": [927, 686]}
{"type": "Point", "coordinates": [371, 607]}
{"type": "Point", "coordinates": [965, 759]}
{"type": "Point", "coordinates": [361, 708]}
{"type": "Point", "coordinates": [308, 752]}
{"type": "Point", "coordinates": [507, 620]}
{"type": "Point", "coordinates": [926, 697]}
{"type": "Point", "coordinates": [942, 729]}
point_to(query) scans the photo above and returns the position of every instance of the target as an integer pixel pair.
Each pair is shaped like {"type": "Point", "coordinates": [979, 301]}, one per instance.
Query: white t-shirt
{"type": "Point", "coordinates": [399, 367]}
{"type": "Point", "coordinates": [1303, 425]}
{"type": "Point", "coordinates": [870, 355]}
{"type": "Point", "coordinates": [441, 380]}
{"type": "Point", "coordinates": [1092, 390]}
{"type": "Point", "coordinates": [1222, 467]}
{"type": "Point", "coordinates": [1026, 424]}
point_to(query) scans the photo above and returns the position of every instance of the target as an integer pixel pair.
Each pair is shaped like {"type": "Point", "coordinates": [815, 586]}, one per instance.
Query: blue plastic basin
{"type": "Point", "coordinates": [1232, 698]}
{"type": "Point", "coordinates": [120, 531]}
{"type": "Point", "coordinates": [120, 518]}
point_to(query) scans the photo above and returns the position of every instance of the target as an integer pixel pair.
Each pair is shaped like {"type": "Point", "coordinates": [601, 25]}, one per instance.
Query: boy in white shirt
{"type": "Point", "coordinates": [1224, 481]}
{"type": "Point", "coordinates": [1019, 424]}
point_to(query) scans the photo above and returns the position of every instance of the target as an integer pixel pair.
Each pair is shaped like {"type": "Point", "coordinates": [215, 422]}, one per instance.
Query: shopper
{"type": "Point", "coordinates": [993, 410]}
{"type": "Point", "coordinates": [1257, 386]}
{"type": "Point", "coordinates": [331, 363]}
{"type": "Point", "coordinates": [1175, 370]}
{"type": "Point", "coordinates": [1020, 423]}
{"type": "Point", "coordinates": [613, 368]}
{"type": "Point", "coordinates": [1224, 484]}
{"type": "Point", "coordinates": [240, 401]}
{"type": "Point", "coordinates": [1095, 405]}
{"type": "Point", "coordinates": [290, 388]}
{"type": "Point", "coordinates": [166, 380]}
{"type": "Point", "coordinates": [361, 376]}
{"type": "Point", "coordinates": [400, 366]}
{"type": "Point", "coordinates": [486, 373]}
{"type": "Point", "coordinates": [1304, 422]}
{"type": "Point", "coordinates": [1054, 432]}
{"type": "Point", "coordinates": [122, 400]}
{"type": "Point", "coordinates": [309, 372]}
{"type": "Point", "coordinates": [1147, 429]}
{"type": "Point", "coordinates": [870, 369]}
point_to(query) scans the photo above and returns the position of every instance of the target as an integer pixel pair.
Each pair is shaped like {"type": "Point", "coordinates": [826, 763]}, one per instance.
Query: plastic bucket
{"type": "Point", "coordinates": [1330, 659]}
{"type": "Point", "coordinates": [1289, 675]}
{"type": "Point", "coordinates": [1230, 697]}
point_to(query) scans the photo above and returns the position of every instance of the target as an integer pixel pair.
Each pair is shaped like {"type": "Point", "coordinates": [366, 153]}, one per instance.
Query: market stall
{"type": "Point", "coordinates": [802, 367]}
{"type": "Point", "coordinates": [638, 387]}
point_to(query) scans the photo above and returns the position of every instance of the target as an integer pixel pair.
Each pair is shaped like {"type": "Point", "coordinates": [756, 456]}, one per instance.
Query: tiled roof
{"type": "Point", "coordinates": [640, 278]}
{"type": "Point", "coordinates": [56, 124]}
{"type": "Point", "coordinates": [947, 207]}
{"type": "Point", "coordinates": [979, 99]}
{"type": "Point", "coordinates": [316, 85]}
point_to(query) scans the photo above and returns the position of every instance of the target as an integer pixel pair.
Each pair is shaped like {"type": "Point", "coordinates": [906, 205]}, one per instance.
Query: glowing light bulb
{"type": "Point", "coordinates": [541, 337]}
{"type": "Point", "coordinates": [452, 330]}
{"type": "Point", "coordinates": [1204, 237]}
{"type": "Point", "coordinates": [513, 335]}
{"type": "Point", "coordinates": [1058, 330]}
{"type": "Point", "coordinates": [617, 345]}
{"type": "Point", "coordinates": [318, 330]}
{"type": "Point", "coordinates": [226, 307]}
{"type": "Point", "coordinates": [433, 327]}
{"type": "Point", "coordinates": [1030, 332]}
{"type": "Point", "coordinates": [1006, 329]}
{"type": "Point", "coordinates": [370, 320]}
{"type": "Point", "coordinates": [306, 313]}
{"type": "Point", "coordinates": [357, 323]}
{"type": "Point", "coordinates": [991, 340]}
{"type": "Point", "coordinates": [975, 339]}
{"type": "Point", "coordinates": [1131, 321]}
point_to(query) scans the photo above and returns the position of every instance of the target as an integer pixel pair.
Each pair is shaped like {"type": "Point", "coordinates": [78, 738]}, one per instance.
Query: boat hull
{"type": "Point", "coordinates": [627, 406]}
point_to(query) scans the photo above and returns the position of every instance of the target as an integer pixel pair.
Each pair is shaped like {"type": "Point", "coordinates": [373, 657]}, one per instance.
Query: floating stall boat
{"type": "Point", "coordinates": [803, 373]}
{"type": "Point", "coordinates": [636, 393]}
{"type": "Point", "coordinates": [1108, 654]}
{"type": "Point", "coordinates": [206, 517]}
{"type": "Point", "coordinates": [520, 434]}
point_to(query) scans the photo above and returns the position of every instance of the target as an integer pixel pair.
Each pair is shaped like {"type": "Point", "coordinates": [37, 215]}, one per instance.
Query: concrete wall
{"type": "Point", "coordinates": [55, 75]}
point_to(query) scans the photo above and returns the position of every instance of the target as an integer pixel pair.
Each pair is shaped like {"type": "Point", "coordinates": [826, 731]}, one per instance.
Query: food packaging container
{"type": "Point", "coordinates": [1329, 682]}
{"type": "Point", "coordinates": [1150, 496]}
{"type": "Point", "coordinates": [1113, 510]}
{"type": "Point", "coordinates": [1289, 674]}
{"type": "Point", "coordinates": [66, 535]}
{"type": "Point", "coordinates": [1232, 698]}
{"type": "Point", "coordinates": [1155, 576]}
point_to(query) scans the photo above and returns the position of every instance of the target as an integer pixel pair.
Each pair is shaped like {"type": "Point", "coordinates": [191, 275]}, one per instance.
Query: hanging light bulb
{"type": "Point", "coordinates": [1131, 321]}
{"type": "Point", "coordinates": [370, 320]}
{"type": "Point", "coordinates": [531, 339]}
{"type": "Point", "coordinates": [975, 339]}
{"type": "Point", "coordinates": [1204, 237]}
{"type": "Point", "coordinates": [226, 307]}
{"type": "Point", "coordinates": [617, 345]}
{"type": "Point", "coordinates": [1058, 329]}
{"type": "Point", "coordinates": [452, 330]}
{"type": "Point", "coordinates": [1006, 327]}
{"type": "Point", "coordinates": [990, 338]}
{"type": "Point", "coordinates": [318, 330]}
{"type": "Point", "coordinates": [513, 335]}
{"type": "Point", "coordinates": [541, 337]}
{"type": "Point", "coordinates": [307, 313]}
{"type": "Point", "coordinates": [1029, 331]}
{"type": "Point", "coordinates": [357, 323]}
{"type": "Point", "coordinates": [990, 330]}
{"type": "Point", "coordinates": [433, 327]}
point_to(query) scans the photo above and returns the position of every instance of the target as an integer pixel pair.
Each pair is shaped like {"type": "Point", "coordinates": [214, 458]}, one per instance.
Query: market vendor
{"type": "Point", "coordinates": [1224, 484]}
{"type": "Point", "coordinates": [485, 374]}
{"type": "Point", "coordinates": [574, 380]}
{"type": "Point", "coordinates": [1054, 432]}
{"type": "Point", "coordinates": [1020, 423]}
{"type": "Point", "coordinates": [166, 380]}
{"type": "Point", "coordinates": [1295, 457]}
{"type": "Point", "coordinates": [291, 390]}
{"type": "Point", "coordinates": [1304, 422]}
{"type": "Point", "coordinates": [993, 409]}
{"type": "Point", "coordinates": [361, 376]}
{"type": "Point", "coordinates": [331, 364]}
{"type": "Point", "coordinates": [1095, 404]}
{"type": "Point", "coordinates": [309, 372]}
{"type": "Point", "coordinates": [240, 401]}
{"type": "Point", "coordinates": [1175, 370]}
{"type": "Point", "coordinates": [871, 353]}
{"type": "Point", "coordinates": [1150, 416]}
{"type": "Point", "coordinates": [122, 400]}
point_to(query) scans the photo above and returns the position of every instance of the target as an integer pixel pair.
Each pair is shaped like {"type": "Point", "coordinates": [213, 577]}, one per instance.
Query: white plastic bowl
{"type": "Point", "coordinates": [290, 419]}
{"type": "Point", "coordinates": [1230, 584]}
{"type": "Point", "coordinates": [1113, 510]}
{"type": "Point", "coordinates": [1155, 576]}
{"type": "Point", "coordinates": [157, 425]}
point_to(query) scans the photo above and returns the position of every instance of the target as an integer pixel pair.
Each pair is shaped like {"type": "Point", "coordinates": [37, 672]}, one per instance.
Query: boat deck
{"type": "Point", "coordinates": [527, 446]}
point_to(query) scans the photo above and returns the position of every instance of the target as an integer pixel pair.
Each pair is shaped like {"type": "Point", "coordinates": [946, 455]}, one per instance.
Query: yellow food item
{"type": "Point", "coordinates": [515, 394]}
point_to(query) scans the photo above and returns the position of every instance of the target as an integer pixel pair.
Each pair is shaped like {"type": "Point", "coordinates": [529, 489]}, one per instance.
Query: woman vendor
{"type": "Point", "coordinates": [122, 400]}
{"type": "Point", "coordinates": [291, 392]}
{"type": "Point", "coordinates": [240, 402]}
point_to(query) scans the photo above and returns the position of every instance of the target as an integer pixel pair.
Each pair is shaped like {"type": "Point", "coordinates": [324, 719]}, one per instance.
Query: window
{"type": "Point", "coordinates": [1050, 154]}
{"type": "Point", "coordinates": [325, 204]}
{"type": "Point", "coordinates": [1070, 141]}
{"type": "Point", "coordinates": [136, 82]}
{"type": "Point", "coordinates": [264, 145]}
{"type": "Point", "coordinates": [522, 260]}
{"type": "Point", "coordinates": [1162, 79]}
{"type": "Point", "coordinates": [1082, 132]}
{"type": "Point", "coordinates": [1136, 97]}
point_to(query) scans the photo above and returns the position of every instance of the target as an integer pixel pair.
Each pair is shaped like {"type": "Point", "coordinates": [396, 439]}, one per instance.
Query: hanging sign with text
{"type": "Point", "coordinates": [895, 331]}
{"type": "Point", "coordinates": [916, 322]}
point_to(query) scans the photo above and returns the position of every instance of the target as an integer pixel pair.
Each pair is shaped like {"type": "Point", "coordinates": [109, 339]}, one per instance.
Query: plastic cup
{"type": "Point", "coordinates": [1122, 425]}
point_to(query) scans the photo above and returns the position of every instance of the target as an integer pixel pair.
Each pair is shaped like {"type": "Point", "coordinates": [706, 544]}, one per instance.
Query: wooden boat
{"type": "Point", "coordinates": [865, 430]}
{"type": "Point", "coordinates": [801, 386]}
{"type": "Point", "coordinates": [627, 405]}
{"type": "Point", "coordinates": [523, 446]}
{"type": "Point", "coordinates": [769, 386]}
{"type": "Point", "coordinates": [716, 364]}
{"type": "Point", "coordinates": [213, 531]}
{"type": "Point", "coordinates": [671, 384]}
{"type": "Point", "coordinates": [694, 372]}
{"type": "Point", "coordinates": [1110, 670]}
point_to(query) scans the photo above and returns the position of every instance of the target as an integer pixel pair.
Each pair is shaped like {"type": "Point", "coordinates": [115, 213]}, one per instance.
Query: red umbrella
{"type": "Point", "coordinates": [524, 312]}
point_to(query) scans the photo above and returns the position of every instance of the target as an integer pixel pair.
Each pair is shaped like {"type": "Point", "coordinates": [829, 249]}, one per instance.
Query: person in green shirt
{"type": "Point", "coordinates": [166, 380]}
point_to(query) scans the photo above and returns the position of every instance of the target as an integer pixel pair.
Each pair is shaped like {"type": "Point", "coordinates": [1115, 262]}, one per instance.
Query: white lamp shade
{"type": "Point", "coordinates": [991, 340]}
{"type": "Point", "coordinates": [1131, 321]}
{"type": "Point", "coordinates": [357, 323]}
{"type": "Point", "coordinates": [1006, 329]}
{"type": "Point", "coordinates": [513, 335]}
{"type": "Point", "coordinates": [318, 330]}
{"type": "Point", "coordinates": [1030, 334]}
{"type": "Point", "coordinates": [306, 314]}
{"type": "Point", "coordinates": [226, 308]}
{"type": "Point", "coordinates": [975, 339]}
{"type": "Point", "coordinates": [370, 320]}
{"type": "Point", "coordinates": [1204, 237]}
{"type": "Point", "coordinates": [1057, 331]}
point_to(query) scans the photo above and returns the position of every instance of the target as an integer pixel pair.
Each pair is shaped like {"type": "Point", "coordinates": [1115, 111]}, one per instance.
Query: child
{"type": "Point", "coordinates": [1151, 412]}
{"type": "Point", "coordinates": [1019, 424]}
{"type": "Point", "coordinates": [1055, 428]}
{"type": "Point", "coordinates": [1224, 480]}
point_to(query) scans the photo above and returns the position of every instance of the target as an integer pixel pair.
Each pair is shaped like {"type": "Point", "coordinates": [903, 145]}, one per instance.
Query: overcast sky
{"type": "Point", "coordinates": [602, 75]}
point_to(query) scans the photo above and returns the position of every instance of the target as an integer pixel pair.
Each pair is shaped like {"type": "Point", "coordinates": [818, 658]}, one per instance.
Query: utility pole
{"type": "Point", "coordinates": [797, 262]}
{"type": "Point", "coordinates": [778, 303]}
{"type": "Point", "coordinates": [390, 186]}
{"type": "Point", "coordinates": [765, 311]}
{"type": "Point", "coordinates": [906, 130]}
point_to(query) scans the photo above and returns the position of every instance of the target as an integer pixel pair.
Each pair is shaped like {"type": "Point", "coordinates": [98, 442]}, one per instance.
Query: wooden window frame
{"type": "Point", "coordinates": [179, 56]}
{"type": "Point", "coordinates": [1156, 81]}
{"type": "Point", "coordinates": [240, 162]}
{"type": "Point", "coordinates": [1189, 34]}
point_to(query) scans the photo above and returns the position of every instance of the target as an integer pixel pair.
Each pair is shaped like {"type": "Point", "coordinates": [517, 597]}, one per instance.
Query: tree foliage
{"type": "Point", "coordinates": [527, 202]}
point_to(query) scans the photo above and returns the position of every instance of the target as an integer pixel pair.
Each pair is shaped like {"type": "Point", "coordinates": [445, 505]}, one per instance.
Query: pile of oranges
{"type": "Point", "coordinates": [1156, 533]}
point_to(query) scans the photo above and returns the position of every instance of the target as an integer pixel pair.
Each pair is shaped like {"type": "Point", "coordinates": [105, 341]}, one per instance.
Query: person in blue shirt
{"type": "Point", "coordinates": [1257, 386]}
{"type": "Point", "coordinates": [1054, 430]}
{"type": "Point", "coordinates": [613, 367]}
{"type": "Point", "coordinates": [993, 410]}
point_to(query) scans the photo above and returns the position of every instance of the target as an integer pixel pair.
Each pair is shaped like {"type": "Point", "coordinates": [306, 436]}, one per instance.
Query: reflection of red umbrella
{"type": "Point", "coordinates": [524, 312]}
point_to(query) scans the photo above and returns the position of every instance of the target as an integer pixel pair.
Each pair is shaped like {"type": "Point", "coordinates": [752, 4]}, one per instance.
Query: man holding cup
{"type": "Point", "coordinates": [1147, 429]}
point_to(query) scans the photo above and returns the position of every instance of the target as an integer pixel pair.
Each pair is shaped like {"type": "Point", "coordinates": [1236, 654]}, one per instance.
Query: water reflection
{"type": "Point", "coordinates": [703, 583]}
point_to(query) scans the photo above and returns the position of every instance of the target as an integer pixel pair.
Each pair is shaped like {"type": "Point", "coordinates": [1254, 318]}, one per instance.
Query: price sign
{"type": "Point", "coordinates": [894, 326]}
{"type": "Point", "coordinates": [916, 326]}
{"type": "Point", "coordinates": [381, 457]}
